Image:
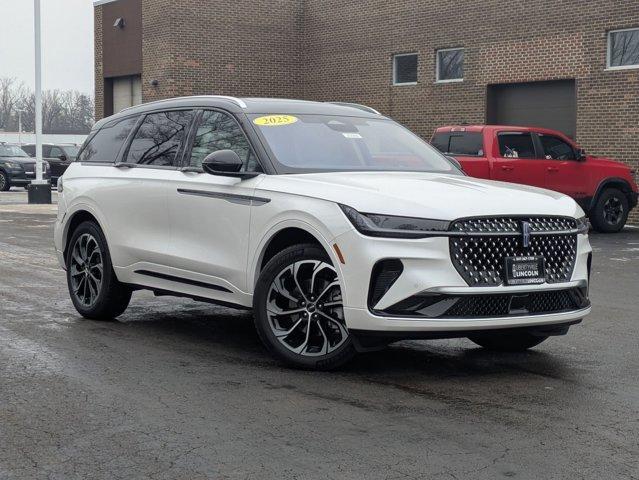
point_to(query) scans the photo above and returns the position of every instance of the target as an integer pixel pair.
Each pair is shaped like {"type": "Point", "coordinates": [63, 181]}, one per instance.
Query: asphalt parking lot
{"type": "Point", "coordinates": [179, 389]}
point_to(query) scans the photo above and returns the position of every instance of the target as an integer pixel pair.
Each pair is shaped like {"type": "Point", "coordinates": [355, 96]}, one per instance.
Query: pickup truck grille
{"type": "Point", "coordinates": [479, 256]}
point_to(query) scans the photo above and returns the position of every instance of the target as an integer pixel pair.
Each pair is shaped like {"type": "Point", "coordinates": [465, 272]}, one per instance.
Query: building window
{"type": "Point", "coordinates": [405, 69]}
{"type": "Point", "coordinates": [450, 65]}
{"type": "Point", "coordinates": [623, 48]}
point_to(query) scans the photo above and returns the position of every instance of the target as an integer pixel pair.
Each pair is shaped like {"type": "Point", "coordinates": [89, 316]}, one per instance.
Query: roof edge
{"type": "Point", "coordinates": [97, 3]}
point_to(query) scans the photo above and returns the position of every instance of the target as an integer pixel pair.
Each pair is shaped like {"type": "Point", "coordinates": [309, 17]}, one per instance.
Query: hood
{"type": "Point", "coordinates": [425, 195]}
{"type": "Point", "coordinates": [21, 160]}
{"type": "Point", "coordinates": [605, 163]}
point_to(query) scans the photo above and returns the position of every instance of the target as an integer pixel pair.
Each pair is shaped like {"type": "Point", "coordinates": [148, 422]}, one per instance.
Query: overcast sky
{"type": "Point", "coordinates": [67, 43]}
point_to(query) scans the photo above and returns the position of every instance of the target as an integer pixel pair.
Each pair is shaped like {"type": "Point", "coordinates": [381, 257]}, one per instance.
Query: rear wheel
{"type": "Point", "coordinates": [95, 291]}
{"type": "Point", "coordinates": [298, 310]}
{"type": "Point", "coordinates": [4, 182]}
{"type": "Point", "coordinates": [507, 342]}
{"type": "Point", "coordinates": [610, 212]}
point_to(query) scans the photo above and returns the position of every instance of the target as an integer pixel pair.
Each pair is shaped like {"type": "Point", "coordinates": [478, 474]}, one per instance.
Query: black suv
{"type": "Point", "coordinates": [59, 156]}
{"type": "Point", "coordinates": [16, 167]}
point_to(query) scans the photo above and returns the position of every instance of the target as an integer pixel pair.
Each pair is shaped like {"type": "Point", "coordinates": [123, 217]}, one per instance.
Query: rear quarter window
{"type": "Point", "coordinates": [459, 143]}
{"type": "Point", "coordinates": [105, 145]}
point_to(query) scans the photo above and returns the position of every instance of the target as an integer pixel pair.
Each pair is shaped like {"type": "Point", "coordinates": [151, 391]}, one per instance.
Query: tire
{"type": "Point", "coordinates": [507, 342]}
{"type": "Point", "coordinates": [610, 213]}
{"type": "Point", "coordinates": [5, 184]}
{"type": "Point", "coordinates": [312, 335]}
{"type": "Point", "coordinates": [95, 295]}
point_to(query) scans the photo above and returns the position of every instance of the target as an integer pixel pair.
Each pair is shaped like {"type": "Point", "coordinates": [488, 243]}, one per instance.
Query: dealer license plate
{"type": "Point", "coordinates": [524, 270]}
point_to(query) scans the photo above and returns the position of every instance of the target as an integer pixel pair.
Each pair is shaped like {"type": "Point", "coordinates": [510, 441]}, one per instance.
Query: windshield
{"type": "Point", "coordinates": [315, 143]}
{"type": "Point", "coordinates": [12, 151]}
{"type": "Point", "coordinates": [71, 151]}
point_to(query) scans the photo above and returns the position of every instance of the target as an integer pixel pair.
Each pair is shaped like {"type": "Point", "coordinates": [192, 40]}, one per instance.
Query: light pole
{"type": "Point", "coordinates": [39, 189]}
{"type": "Point", "coordinates": [20, 110]}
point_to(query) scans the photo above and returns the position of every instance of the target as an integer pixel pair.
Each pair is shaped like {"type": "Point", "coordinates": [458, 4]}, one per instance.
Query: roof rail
{"type": "Point", "coordinates": [359, 106]}
{"type": "Point", "coordinates": [238, 101]}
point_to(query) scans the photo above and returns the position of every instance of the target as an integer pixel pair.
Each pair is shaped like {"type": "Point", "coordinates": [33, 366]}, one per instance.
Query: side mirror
{"type": "Point", "coordinates": [63, 157]}
{"type": "Point", "coordinates": [581, 155]}
{"type": "Point", "coordinates": [225, 163]}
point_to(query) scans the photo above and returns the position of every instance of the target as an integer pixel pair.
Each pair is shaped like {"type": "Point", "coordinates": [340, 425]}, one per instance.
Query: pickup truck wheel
{"type": "Point", "coordinates": [610, 212]}
{"type": "Point", "coordinates": [507, 342]}
{"type": "Point", "coordinates": [298, 310]}
{"type": "Point", "coordinates": [4, 182]}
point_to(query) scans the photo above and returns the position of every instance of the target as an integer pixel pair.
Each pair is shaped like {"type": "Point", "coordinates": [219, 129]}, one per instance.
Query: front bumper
{"type": "Point", "coordinates": [20, 177]}
{"type": "Point", "coordinates": [428, 270]}
{"type": "Point", "coordinates": [363, 319]}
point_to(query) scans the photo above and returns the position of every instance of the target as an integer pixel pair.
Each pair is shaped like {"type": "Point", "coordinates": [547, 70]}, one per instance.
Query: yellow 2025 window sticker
{"type": "Point", "coordinates": [274, 120]}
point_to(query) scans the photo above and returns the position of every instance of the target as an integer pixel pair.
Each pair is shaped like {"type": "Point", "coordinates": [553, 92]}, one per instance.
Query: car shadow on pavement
{"type": "Point", "coordinates": [220, 334]}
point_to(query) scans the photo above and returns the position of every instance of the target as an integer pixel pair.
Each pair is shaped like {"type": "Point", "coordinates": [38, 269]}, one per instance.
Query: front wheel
{"type": "Point", "coordinates": [610, 213]}
{"type": "Point", "coordinates": [298, 310]}
{"type": "Point", "coordinates": [95, 291]}
{"type": "Point", "coordinates": [4, 182]}
{"type": "Point", "coordinates": [507, 342]}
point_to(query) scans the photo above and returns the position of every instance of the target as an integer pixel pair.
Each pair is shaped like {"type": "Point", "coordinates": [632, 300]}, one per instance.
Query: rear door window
{"type": "Point", "coordinates": [159, 138]}
{"type": "Point", "coordinates": [459, 143]}
{"type": "Point", "coordinates": [516, 145]}
{"type": "Point", "coordinates": [555, 148]}
{"type": "Point", "coordinates": [105, 145]}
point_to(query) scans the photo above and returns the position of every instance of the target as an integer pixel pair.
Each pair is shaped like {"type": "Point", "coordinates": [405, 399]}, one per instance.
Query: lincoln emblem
{"type": "Point", "coordinates": [525, 234]}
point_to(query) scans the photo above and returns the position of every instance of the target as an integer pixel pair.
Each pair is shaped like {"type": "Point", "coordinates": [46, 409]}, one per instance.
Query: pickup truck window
{"type": "Point", "coordinates": [459, 143]}
{"type": "Point", "coordinates": [555, 148]}
{"type": "Point", "coordinates": [516, 145]}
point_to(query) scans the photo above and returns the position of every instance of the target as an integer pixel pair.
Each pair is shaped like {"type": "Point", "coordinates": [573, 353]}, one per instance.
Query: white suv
{"type": "Point", "coordinates": [339, 227]}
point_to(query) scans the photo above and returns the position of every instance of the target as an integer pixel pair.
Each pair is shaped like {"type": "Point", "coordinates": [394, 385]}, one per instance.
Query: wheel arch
{"type": "Point", "coordinates": [80, 215]}
{"type": "Point", "coordinates": [611, 182]}
{"type": "Point", "coordinates": [286, 235]}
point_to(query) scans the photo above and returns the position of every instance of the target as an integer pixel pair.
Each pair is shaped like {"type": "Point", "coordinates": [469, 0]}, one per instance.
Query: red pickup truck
{"type": "Point", "coordinates": [604, 188]}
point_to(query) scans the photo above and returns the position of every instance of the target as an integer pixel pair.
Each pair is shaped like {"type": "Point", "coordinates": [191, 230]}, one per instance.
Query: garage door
{"type": "Point", "coordinates": [536, 104]}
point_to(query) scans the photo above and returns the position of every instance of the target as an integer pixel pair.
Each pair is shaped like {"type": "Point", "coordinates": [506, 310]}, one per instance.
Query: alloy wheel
{"type": "Point", "coordinates": [613, 210]}
{"type": "Point", "coordinates": [304, 308]}
{"type": "Point", "coordinates": [3, 181]}
{"type": "Point", "coordinates": [86, 269]}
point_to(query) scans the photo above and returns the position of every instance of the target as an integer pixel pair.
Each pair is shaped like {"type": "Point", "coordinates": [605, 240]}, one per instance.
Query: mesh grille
{"type": "Point", "coordinates": [500, 305]}
{"type": "Point", "coordinates": [480, 259]}
{"type": "Point", "coordinates": [513, 224]}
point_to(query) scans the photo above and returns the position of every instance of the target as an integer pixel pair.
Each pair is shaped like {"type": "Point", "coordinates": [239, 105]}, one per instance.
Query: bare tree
{"type": "Point", "coordinates": [63, 111]}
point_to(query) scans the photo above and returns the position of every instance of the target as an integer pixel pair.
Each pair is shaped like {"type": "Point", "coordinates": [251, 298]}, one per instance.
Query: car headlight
{"type": "Point", "coordinates": [375, 225]}
{"type": "Point", "coordinates": [582, 224]}
{"type": "Point", "coordinates": [12, 165]}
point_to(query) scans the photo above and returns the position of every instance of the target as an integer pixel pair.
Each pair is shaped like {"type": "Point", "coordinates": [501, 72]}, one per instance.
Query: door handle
{"type": "Point", "coordinates": [508, 168]}
{"type": "Point", "coordinates": [552, 169]}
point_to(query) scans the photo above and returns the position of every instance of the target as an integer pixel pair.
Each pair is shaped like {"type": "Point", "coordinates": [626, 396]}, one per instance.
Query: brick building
{"type": "Point", "coordinates": [570, 64]}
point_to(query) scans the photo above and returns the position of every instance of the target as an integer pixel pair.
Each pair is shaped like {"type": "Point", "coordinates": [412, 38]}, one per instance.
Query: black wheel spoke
{"type": "Point", "coordinates": [86, 269]}
{"type": "Point", "coordinates": [303, 299]}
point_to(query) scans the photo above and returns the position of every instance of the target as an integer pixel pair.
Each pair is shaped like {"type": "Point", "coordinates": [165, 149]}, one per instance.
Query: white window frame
{"type": "Point", "coordinates": [395, 57]}
{"type": "Point", "coordinates": [609, 50]}
{"type": "Point", "coordinates": [448, 80]}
